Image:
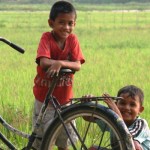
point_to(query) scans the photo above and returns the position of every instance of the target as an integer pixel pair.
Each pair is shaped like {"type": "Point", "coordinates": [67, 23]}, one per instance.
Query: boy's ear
{"type": "Point", "coordinates": [50, 22]}
{"type": "Point", "coordinates": [141, 109]}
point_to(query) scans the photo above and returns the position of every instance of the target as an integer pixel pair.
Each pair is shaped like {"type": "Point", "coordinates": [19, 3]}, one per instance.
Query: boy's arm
{"type": "Point", "coordinates": [54, 66]}
{"type": "Point", "coordinates": [111, 104]}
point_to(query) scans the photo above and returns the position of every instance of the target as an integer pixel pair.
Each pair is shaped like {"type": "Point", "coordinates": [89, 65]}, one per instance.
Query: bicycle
{"type": "Point", "coordinates": [91, 123]}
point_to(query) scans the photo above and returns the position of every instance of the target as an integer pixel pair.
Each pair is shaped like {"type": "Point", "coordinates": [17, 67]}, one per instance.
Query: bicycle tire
{"type": "Point", "coordinates": [78, 112]}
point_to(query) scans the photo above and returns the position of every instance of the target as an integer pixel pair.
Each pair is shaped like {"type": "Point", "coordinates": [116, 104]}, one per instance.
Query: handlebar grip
{"type": "Point", "coordinates": [14, 46]}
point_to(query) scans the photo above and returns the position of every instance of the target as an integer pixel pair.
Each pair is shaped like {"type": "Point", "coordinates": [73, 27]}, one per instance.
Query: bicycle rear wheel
{"type": "Point", "coordinates": [98, 126]}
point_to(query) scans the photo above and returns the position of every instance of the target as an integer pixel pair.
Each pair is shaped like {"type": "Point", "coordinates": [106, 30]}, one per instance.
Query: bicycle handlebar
{"type": "Point", "coordinates": [14, 46]}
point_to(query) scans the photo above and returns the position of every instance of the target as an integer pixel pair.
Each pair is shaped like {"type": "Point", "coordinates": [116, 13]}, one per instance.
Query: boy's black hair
{"type": "Point", "coordinates": [61, 7]}
{"type": "Point", "coordinates": [133, 91]}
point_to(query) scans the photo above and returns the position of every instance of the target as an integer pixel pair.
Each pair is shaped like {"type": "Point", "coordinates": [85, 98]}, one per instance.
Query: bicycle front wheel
{"type": "Point", "coordinates": [95, 127]}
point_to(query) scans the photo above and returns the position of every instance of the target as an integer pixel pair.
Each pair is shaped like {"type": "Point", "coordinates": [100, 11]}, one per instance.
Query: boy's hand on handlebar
{"type": "Point", "coordinates": [111, 104]}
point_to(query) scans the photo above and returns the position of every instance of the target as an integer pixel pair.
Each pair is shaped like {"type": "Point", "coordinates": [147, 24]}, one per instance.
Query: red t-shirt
{"type": "Point", "coordinates": [49, 48]}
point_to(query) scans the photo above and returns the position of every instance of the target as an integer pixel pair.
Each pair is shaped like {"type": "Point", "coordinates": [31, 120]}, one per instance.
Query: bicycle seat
{"type": "Point", "coordinates": [65, 70]}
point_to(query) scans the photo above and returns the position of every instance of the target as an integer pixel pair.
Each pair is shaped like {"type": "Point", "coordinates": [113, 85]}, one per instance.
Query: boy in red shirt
{"type": "Point", "coordinates": [57, 49]}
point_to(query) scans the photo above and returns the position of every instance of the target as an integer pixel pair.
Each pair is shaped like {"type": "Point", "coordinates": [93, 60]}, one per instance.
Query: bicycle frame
{"type": "Point", "coordinates": [54, 102]}
{"type": "Point", "coordinates": [56, 105]}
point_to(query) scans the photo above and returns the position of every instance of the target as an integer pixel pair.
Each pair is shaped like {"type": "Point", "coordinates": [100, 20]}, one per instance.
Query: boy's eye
{"type": "Point", "coordinates": [121, 102]}
{"type": "Point", "coordinates": [61, 22]}
{"type": "Point", "coordinates": [71, 23]}
{"type": "Point", "coordinates": [132, 104]}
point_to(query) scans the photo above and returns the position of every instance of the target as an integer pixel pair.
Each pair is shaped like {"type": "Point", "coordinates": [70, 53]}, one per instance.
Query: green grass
{"type": "Point", "coordinates": [22, 6]}
{"type": "Point", "coordinates": [115, 44]}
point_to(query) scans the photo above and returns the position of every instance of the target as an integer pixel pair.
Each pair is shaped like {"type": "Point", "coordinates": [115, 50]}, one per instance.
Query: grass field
{"type": "Point", "coordinates": [22, 6]}
{"type": "Point", "coordinates": [115, 44]}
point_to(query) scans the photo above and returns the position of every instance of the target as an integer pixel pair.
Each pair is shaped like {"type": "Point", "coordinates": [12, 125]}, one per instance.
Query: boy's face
{"type": "Point", "coordinates": [129, 107]}
{"type": "Point", "coordinates": [63, 25]}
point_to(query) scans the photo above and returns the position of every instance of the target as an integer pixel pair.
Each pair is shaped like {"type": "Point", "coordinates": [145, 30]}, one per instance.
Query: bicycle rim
{"type": "Point", "coordinates": [91, 133]}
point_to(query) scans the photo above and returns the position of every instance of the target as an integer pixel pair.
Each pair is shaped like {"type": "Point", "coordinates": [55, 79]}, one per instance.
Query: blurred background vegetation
{"type": "Point", "coordinates": [77, 1]}
{"type": "Point", "coordinates": [82, 5]}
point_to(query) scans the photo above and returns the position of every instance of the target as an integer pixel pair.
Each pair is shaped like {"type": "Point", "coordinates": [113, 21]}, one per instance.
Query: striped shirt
{"type": "Point", "coordinates": [141, 132]}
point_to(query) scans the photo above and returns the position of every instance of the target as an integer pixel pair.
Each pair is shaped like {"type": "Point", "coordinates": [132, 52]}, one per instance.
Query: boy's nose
{"type": "Point", "coordinates": [66, 26]}
{"type": "Point", "coordinates": [127, 107]}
